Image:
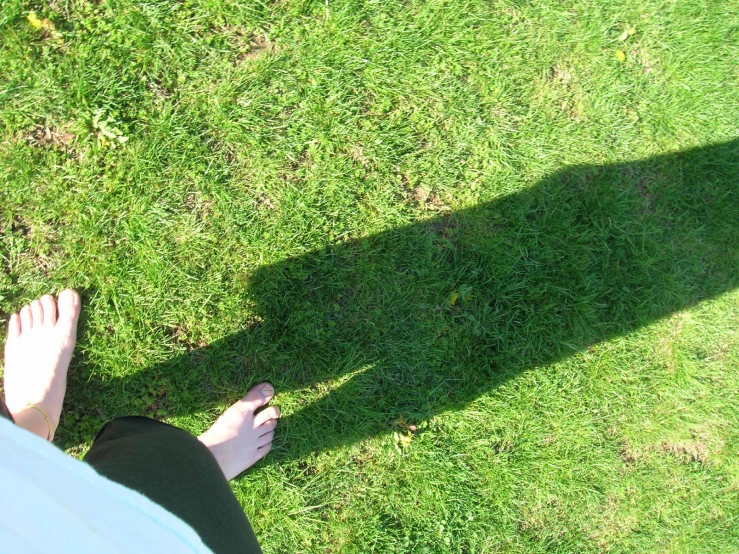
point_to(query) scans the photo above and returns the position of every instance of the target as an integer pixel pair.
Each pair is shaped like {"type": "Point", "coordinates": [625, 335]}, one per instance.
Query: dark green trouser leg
{"type": "Point", "coordinates": [175, 470]}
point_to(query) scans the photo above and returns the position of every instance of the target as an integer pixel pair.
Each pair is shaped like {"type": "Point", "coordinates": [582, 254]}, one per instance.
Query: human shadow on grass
{"type": "Point", "coordinates": [425, 318]}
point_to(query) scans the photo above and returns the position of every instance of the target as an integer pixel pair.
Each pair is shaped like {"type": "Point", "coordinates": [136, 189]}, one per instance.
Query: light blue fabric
{"type": "Point", "coordinates": [51, 502]}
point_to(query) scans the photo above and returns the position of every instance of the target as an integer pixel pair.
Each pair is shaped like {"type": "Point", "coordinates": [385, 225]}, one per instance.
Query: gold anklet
{"type": "Point", "coordinates": [48, 421]}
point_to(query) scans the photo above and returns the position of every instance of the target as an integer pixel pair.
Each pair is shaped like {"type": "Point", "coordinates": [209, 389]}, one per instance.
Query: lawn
{"type": "Point", "coordinates": [486, 251]}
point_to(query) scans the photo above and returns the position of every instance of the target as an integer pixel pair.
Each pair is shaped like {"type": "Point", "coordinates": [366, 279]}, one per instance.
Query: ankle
{"type": "Point", "coordinates": [209, 440]}
{"type": "Point", "coordinates": [35, 420]}
{"type": "Point", "coordinates": [215, 448]}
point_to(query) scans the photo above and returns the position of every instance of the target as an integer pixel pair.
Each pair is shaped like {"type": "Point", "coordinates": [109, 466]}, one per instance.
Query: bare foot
{"type": "Point", "coordinates": [239, 439]}
{"type": "Point", "coordinates": [37, 354]}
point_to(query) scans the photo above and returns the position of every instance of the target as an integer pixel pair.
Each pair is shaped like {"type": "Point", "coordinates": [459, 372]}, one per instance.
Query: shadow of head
{"type": "Point", "coordinates": [425, 318]}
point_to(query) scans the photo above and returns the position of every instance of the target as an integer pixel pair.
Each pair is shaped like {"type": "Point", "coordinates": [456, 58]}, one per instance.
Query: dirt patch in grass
{"type": "Point", "coordinates": [614, 524]}
{"type": "Point", "coordinates": [259, 46]}
{"type": "Point", "coordinates": [425, 199]}
{"type": "Point", "coordinates": [420, 195]}
{"type": "Point", "coordinates": [20, 228]}
{"type": "Point", "coordinates": [629, 454]}
{"type": "Point", "coordinates": [265, 201]}
{"type": "Point", "coordinates": [159, 90]}
{"type": "Point", "coordinates": [564, 84]}
{"type": "Point", "coordinates": [650, 65]}
{"type": "Point", "coordinates": [434, 202]}
{"type": "Point", "coordinates": [560, 75]}
{"type": "Point", "coordinates": [357, 154]}
{"type": "Point", "coordinates": [42, 136]}
{"type": "Point", "coordinates": [444, 227]}
{"type": "Point", "coordinates": [686, 452]}
{"type": "Point", "coordinates": [198, 204]}
{"type": "Point", "coordinates": [247, 45]}
{"type": "Point", "coordinates": [182, 336]}
{"type": "Point", "coordinates": [39, 249]}
{"type": "Point", "coordinates": [542, 518]}
{"type": "Point", "coordinates": [699, 449]}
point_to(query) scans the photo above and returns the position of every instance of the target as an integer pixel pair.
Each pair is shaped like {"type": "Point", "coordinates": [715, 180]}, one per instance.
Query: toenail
{"type": "Point", "coordinates": [267, 391]}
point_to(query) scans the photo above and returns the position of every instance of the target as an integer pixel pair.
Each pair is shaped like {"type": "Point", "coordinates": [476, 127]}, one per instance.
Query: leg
{"type": "Point", "coordinates": [189, 476]}
{"type": "Point", "coordinates": [37, 354]}
{"type": "Point", "coordinates": [175, 470]}
{"type": "Point", "coordinates": [166, 464]}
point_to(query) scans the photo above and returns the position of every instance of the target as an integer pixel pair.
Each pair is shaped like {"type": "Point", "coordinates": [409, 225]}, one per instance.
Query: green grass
{"type": "Point", "coordinates": [467, 214]}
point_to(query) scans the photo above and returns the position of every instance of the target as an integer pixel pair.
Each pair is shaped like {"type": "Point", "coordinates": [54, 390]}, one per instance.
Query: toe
{"type": "Point", "coordinates": [68, 306]}
{"type": "Point", "coordinates": [14, 327]}
{"type": "Point", "coordinates": [265, 439]}
{"type": "Point", "coordinates": [268, 426]}
{"type": "Point", "coordinates": [37, 313]}
{"type": "Point", "coordinates": [258, 396]}
{"type": "Point", "coordinates": [49, 307]}
{"type": "Point", "coordinates": [26, 318]}
{"type": "Point", "coordinates": [272, 412]}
